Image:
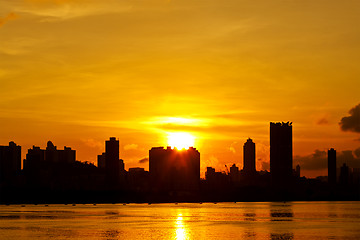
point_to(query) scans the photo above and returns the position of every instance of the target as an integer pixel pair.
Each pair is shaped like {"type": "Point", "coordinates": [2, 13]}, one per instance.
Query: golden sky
{"type": "Point", "coordinates": [79, 71]}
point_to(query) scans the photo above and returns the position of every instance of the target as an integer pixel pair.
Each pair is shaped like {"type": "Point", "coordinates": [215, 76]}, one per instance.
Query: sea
{"type": "Point", "coordinates": [250, 220]}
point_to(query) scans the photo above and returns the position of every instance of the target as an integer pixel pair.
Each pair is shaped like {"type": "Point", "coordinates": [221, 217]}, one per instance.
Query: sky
{"type": "Point", "coordinates": [77, 72]}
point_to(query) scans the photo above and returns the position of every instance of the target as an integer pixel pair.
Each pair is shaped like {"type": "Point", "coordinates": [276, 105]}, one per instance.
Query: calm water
{"type": "Point", "coordinates": [296, 220]}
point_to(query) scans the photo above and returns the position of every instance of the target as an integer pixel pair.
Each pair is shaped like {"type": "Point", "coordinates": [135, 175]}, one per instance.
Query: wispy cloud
{"type": "Point", "coordinates": [55, 10]}
{"type": "Point", "coordinates": [144, 160]}
{"type": "Point", "coordinates": [10, 16]}
{"type": "Point", "coordinates": [131, 146]}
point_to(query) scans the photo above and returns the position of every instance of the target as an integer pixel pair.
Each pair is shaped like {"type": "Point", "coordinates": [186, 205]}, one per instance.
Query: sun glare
{"type": "Point", "coordinates": [181, 140]}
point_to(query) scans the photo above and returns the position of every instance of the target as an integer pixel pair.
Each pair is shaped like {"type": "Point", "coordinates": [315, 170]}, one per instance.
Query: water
{"type": "Point", "coordinates": [295, 220]}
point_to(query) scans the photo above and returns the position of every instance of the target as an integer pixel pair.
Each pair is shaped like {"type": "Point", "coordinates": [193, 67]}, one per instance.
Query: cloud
{"type": "Point", "coordinates": [211, 161]}
{"type": "Point", "coordinates": [352, 122]}
{"type": "Point", "coordinates": [92, 143]}
{"type": "Point", "coordinates": [144, 160]}
{"type": "Point", "coordinates": [315, 161]}
{"type": "Point", "coordinates": [51, 1]}
{"type": "Point", "coordinates": [322, 121]}
{"type": "Point", "coordinates": [58, 10]}
{"type": "Point", "coordinates": [10, 16]}
{"type": "Point", "coordinates": [318, 160]}
{"type": "Point", "coordinates": [130, 146]}
{"type": "Point", "coordinates": [232, 147]}
{"type": "Point", "coordinates": [265, 166]}
{"type": "Point", "coordinates": [357, 153]}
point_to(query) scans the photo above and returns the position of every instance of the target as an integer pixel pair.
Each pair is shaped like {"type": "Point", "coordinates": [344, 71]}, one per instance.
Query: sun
{"type": "Point", "coordinates": [180, 140]}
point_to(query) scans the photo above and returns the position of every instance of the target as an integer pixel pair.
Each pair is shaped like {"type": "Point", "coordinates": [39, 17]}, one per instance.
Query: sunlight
{"type": "Point", "coordinates": [180, 232]}
{"type": "Point", "coordinates": [177, 121]}
{"type": "Point", "coordinates": [180, 140]}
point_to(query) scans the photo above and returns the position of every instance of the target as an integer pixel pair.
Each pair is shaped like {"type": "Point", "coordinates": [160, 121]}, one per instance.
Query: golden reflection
{"type": "Point", "coordinates": [180, 228]}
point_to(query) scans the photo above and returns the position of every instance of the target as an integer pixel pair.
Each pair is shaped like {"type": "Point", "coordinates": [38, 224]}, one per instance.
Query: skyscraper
{"type": "Point", "coordinates": [112, 160]}
{"type": "Point", "coordinates": [174, 170]}
{"type": "Point", "coordinates": [249, 157]}
{"type": "Point", "coordinates": [332, 166]}
{"type": "Point", "coordinates": [281, 156]}
{"type": "Point", "coordinates": [10, 161]}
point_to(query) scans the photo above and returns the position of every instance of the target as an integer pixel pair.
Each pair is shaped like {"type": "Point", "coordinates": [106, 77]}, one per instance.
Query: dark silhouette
{"type": "Point", "coordinates": [344, 175]}
{"type": "Point", "coordinates": [174, 170]}
{"type": "Point", "coordinates": [332, 166]}
{"type": "Point", "coordinates": [112, 161]}
{"type": "Point", "coordinates": [249, 158]}
{"type": "Point", "coordinates": [10, 162]}
{"type": "Point", "coordinates": [54, 176]}
{"type": "Point", "coordinates": [281, 156]}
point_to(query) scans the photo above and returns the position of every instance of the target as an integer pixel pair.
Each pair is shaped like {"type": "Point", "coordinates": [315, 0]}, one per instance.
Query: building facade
{"type": "Point", "coordinates": [281, 152]}
{"type": "Point", "coordinates": [249, 158]}
{"type": "Point", "coordinates": [112, 160]}
{"type": "Point", "coordinates": [10, 161]}
{"type": "Point", "coordinates": [332, 166]}
{"type": "Point", "coordinates": [174, 170]}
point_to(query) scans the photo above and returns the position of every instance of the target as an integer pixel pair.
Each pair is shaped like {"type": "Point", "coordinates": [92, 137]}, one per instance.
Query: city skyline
{"type": "Point", "coordinates": [280, 135]}
{"type": "Point", "coordinates": [54, 175]}
{"type": "Point", "coordinates": [76, 72]}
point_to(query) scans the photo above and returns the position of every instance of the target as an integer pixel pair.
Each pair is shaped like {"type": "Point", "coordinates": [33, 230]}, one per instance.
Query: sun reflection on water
{"type": "Point", "coordinates": [180, 228]}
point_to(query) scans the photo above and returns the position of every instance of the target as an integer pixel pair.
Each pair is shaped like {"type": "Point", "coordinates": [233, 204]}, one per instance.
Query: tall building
{"type": "Point", "coordinates": [174, 170]}
{"type": "Point", "coordinates": [210, 173]}
{"type": "Point", "coordinates": [332, 166]}
{"type": "Point", "coordinates": [297, 171]}
{"type": "Point", "coordinates": [67, 155]}
{"type": "Point", "coordinates": [34, 158]}
{"type": "Point", "coordinates": [101, 161]}
{"type": "Point", "coordinates": [51, 153]}
{"type": "Point", "coordinates": [234, 173]}
{"type": "Point", "coordinates": [344, 175]}
{"type": "Point", "coordinates": [37, 157]}
{"type": "Point", "coordinates": [112, 159]}
{"type": "Point", "coordinates": [10, 161]}
{"type": "Point", "coordinates": [249, 157]}
{"type": "Point", "coordinates": [281, 156]}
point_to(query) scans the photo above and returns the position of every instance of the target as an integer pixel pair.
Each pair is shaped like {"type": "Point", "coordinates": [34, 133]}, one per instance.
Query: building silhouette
{"type": "Point", "coordinates": [281, 157]}
{"type": "Point", "coordinates": [34, 158]}
{"type": "Point", "coordinates": [101, 161]}
{"type": "Point", "coordinates": [112, 163]}
{"type": "Point", "coordinates": [297, 171]}
{"type": "Point", "coordinates": [174, 170]}
{"type": "Point", "coordinates": [10, 161]}
{"type": "Point", "coordinates": [344, 175]}
{"type": "Point", "coordinates": [37, 157]}
{"type": "Point", "coordinates": [234, 174]}
{"type": "Point", "coordinates": [210, 173]}
{"type": "Point", "coordinates": [249, 158]}
{"type": "Point", "coordinates": [332, 166]}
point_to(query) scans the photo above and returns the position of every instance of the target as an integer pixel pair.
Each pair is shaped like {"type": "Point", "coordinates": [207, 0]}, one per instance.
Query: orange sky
{"type": "Point", "coordinates": [79, 71]}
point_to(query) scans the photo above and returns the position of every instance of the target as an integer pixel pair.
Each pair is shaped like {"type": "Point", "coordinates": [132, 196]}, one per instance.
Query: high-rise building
{"type": "Point", "coordinates": [297, 171]}
{"type": "Point", "coordinates": [344, 175]}
{"type": "Point", "coordinates": [10, 161]}
{"type": "Point", "coordinates": [67, 155]}
{"type": "Point", "coordinates": [281, 156]}
{"type": "Point", "coordinates": [112, 159]}
{"type": "Point", "coordinates": [51, 153]}
{"type": "Point", "coordinates": [234, 173]}
{"type": "Point", "coordinates": [174, 170]}
{"type": "Point", "coordinates": [249, 157]}
{"type": "Point", "coordinates": [210, 173]}
{"type": "Point", "coordinates": [37, 157]}
{"type": "Point", "coordinates": [34, 158]}
{"type": "Point", "coordinates": [101, 161]}
{"type": "Point", "coordinates": [332, 166]}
